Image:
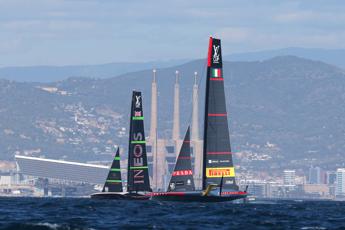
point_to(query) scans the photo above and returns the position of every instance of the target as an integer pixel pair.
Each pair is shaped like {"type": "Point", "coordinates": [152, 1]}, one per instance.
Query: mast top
{"type": "Point", "coordinates": [214, 57]}
{"type": "Point", "coordinates": [154, 75]}
{"type": "Point", "coordinates": [195, 77]}
{"type": "Point", "coordinates": [177, 76]}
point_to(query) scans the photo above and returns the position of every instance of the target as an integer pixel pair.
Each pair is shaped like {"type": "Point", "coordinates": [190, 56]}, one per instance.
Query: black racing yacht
{"type": "Point", "coordinates": [218, 181]}
{"type": "Point", "coordinates": [138, 182]}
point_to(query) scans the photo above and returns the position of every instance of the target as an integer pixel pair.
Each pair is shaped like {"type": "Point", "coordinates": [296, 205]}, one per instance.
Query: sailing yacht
{"type": "Point", "coordinates": [182, 176]}
{"type": "Point", "coordinates": [138, 182]}
{"type": "Point", "coordinates": [112, 188]}
{"type": "Point", "coordinates": [218, 181]}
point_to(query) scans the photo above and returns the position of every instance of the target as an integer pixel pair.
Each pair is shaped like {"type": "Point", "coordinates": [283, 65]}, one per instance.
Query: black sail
{"type": "Point", "coordinates": [182, 176]}
{"type": "Point", "coordinates": [113, 182]}
{"type": "Point", "coordinates": [217, 155]}
{"type": "Point", "coordinates": [138, 176]}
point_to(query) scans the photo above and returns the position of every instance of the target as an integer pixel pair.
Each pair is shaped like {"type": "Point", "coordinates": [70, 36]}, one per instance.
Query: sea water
{"type": "Point", "coordinates": [84, 213]}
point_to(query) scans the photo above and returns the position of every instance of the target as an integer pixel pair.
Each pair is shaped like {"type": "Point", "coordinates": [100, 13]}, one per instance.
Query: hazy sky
{"type": "Point", "coordinates": [67, 32]}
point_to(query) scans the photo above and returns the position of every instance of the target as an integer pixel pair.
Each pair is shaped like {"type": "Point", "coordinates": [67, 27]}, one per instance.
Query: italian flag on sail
{"type": "Point", "coordinates": [216, 72]}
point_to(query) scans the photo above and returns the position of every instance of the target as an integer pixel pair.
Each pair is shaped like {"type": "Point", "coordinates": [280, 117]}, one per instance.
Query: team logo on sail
{"type": "Point", "coordinates": [220, 172]}
{"type": "Point", "coordinates": [213, 161]}
{"type": "Point", "coordinates": [172, 186]}
{"type": "Point", "coordinates": [138, 160]}
{"type": "Point", "coordinates": [137, 101]}
{"type": "Point", "coordinates": [216, 54]}
{"type": "Point", "coordinates": [182, 173]}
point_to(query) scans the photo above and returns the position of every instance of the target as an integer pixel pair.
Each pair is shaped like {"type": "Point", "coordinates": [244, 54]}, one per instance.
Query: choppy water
{"type": "Point", "coordinates": [62, 213]}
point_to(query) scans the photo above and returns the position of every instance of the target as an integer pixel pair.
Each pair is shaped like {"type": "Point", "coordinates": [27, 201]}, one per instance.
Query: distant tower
{"type": "Point", "coordinates": [195, 104]}
{"type": "Point", "coordinates": [176, 121]}
{"type": "Point", "coordinates": [196, 142]}
{"type": "Point", "coordinates": [153, 128]}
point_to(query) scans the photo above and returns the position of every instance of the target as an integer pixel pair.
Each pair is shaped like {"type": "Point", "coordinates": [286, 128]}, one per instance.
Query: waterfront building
{"type": "Point", "coordinates": [340, 184]}
{"type": "Point", "coordinates": [331, 177]}
{"type": "Point", "coordinates": [316, 190]}
{"type": "Point", "coordinates": [289, 177]}
{"type": "Point", "coordinates": [314, 175]}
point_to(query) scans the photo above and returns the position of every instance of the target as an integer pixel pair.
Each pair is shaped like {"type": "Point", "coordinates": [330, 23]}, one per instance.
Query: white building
{"type": "Point", "coordinates": [62, 170]}
{"type": "Point", "coordinates": [340, 187]}
{"type": "Point", "coordinates": [289, 177]}
{"type": "Point", "coordinates": [5, 179]}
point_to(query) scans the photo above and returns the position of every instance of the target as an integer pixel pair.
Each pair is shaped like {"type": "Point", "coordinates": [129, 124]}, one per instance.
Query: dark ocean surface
{"type": "Point", "coordinates": [69, 213]}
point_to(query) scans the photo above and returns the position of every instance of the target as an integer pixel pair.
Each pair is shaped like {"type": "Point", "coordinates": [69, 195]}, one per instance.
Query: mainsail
{"type": "Point", "coordinates": [113, 182]}
{"type": "Point", "coordinates": [138, 176]}
{"type": "Point", "coordinates": [217, 151]}
{"type": "Point", "coordinates": [182, 176]}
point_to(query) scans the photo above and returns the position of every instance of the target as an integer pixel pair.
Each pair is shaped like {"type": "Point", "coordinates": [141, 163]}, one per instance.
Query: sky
{"type": "Point", "coordinates": [74, 32]}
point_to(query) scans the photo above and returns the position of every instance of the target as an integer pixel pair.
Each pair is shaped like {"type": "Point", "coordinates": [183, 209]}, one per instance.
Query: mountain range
{"type": "Point", "coordinates": [334, 57]}
{"type": "Point", "coordinates": [59, 73]}
{"type": "Point", "coordinates": [285, 111]}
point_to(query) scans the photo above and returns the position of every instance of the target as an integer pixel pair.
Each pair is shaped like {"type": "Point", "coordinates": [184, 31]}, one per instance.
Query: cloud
{"type": "Point", "coordinates": [295, 16]}
{"type": "Point", "coordinates": [257, 39]}
{"type": "Point", "coordinates": [155, 30]}
{"type": "Point", "coordinates": [8, 45]}
{"type": "Point", "coordinates": [234, 34]}
{"type": "Point", "coordinates": [313, 18]}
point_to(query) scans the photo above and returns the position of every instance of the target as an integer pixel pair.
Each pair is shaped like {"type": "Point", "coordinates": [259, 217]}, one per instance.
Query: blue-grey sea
{"type": "Point", "coordinates": [84, 213]}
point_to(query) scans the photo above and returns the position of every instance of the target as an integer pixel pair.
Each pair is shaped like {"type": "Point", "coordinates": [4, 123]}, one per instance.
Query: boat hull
{"type": "Point", "coordinates": [196, 197]}
{"type": "Point", "coordinates": [119, 196]}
